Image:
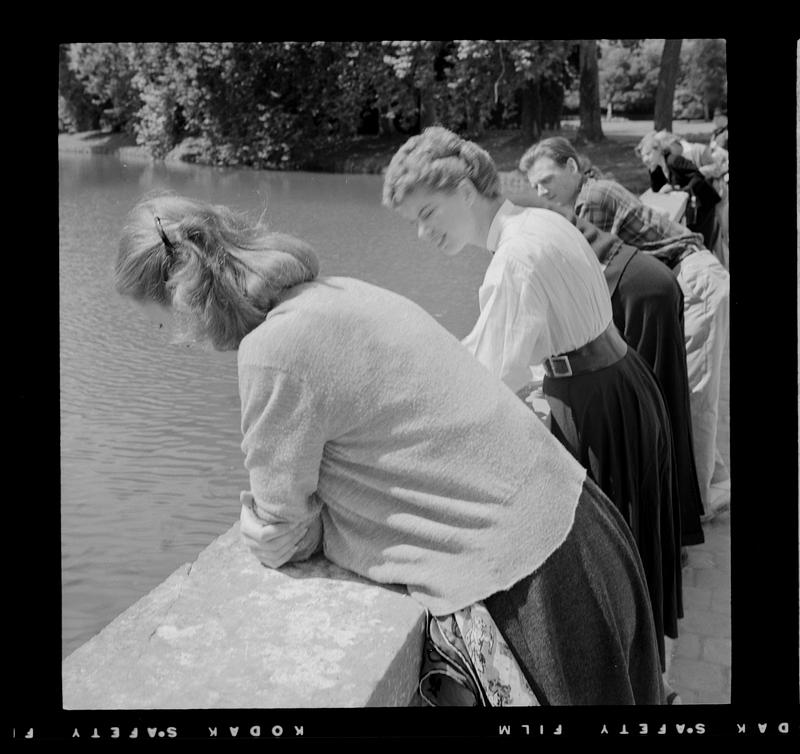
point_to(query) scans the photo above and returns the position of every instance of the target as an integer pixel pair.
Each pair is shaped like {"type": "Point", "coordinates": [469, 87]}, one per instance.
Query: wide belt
{"type": "Point", "coordinates": [606, 349]}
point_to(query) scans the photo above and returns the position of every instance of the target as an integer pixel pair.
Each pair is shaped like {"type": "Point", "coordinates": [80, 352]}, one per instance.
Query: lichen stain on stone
{"type": "Point", "coordinates": [332, 591]}
{"type": "Point", "coordinates": [208, 633]}
{"type": "Point", "coordinates": [187, 660]}
{"type": "Point", "coordinates": [303, 679]}
{"type": "Point", "coordinates": [171, 633]}
{"type": "Point", "coordinates": [322, 628]}
{"type": "Point", "coordinates": [310, 667]}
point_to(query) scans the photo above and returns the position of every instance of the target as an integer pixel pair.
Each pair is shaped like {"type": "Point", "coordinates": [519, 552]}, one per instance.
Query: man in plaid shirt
{"type": "Point", "coordinates": [552, 168]}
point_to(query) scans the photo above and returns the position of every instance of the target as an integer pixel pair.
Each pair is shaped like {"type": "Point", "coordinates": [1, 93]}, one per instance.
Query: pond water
{"type": "Point", "coordinates": [151, 466]}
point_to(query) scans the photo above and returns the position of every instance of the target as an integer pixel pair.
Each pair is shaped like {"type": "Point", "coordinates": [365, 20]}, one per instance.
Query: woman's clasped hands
{"type": "Point", "coordinates": [276, 543]}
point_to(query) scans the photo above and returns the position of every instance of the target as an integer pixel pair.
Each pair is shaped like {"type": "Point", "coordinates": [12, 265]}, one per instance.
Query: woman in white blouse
{"type": "Point", "coordinates": [544, 301]}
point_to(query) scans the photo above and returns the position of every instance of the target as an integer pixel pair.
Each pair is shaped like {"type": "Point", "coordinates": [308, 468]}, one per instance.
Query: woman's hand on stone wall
{"type": "Point", "coordinates": [273, 544]}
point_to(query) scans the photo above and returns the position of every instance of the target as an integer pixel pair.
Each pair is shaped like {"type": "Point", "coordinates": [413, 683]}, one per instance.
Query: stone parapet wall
{"type": "Point", "coordinates": [226, 632]}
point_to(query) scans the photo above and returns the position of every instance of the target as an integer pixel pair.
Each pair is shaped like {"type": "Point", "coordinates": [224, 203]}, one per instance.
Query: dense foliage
{"type": "Point", "coordinates": [629, 70]}
{"type": "Point", "coordinates": [272, 104]}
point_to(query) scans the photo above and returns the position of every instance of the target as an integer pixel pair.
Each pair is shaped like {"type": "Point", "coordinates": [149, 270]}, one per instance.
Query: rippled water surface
{"type": "Point", "coordinates": [151, 466]}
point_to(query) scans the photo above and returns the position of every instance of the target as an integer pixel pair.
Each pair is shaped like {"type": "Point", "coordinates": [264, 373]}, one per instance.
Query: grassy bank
{"type": "Point", "coordinates": [614, 156]}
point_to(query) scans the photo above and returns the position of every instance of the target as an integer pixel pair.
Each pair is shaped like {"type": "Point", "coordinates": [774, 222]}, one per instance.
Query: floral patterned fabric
{"type": "Point", "coordinates": [467, 662]}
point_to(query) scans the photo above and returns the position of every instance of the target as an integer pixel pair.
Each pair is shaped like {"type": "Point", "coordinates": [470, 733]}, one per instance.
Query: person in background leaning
{"type": "Point", "coordinates": [647, 306]}
{"type": "Point", "coordinates": [552, 169]}
{"type": "Point", "coordinates": [712, 161]}
{"type": "Point", "coordinates": [670, 171]}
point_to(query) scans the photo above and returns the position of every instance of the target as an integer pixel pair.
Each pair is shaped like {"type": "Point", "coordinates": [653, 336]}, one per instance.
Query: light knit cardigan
{"type": "Point", "coordinates": [427, 470]}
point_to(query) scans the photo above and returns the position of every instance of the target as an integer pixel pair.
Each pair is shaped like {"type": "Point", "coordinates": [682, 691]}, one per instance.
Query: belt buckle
{"type": "Point", "coordinates": [564, 371]}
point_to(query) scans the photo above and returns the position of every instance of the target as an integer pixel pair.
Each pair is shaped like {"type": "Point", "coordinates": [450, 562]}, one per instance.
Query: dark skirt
{"type": "Point", "coordinates": [581, 626]}
{"type": "Point", "coordinates": [647, 304]}
{"type": "Point", "coordinates": [705, 223]}
{"type": "Point", "coordinates": [615, 423]}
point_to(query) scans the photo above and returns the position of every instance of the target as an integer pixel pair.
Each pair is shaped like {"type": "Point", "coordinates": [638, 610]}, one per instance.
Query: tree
{"type": "Point", "coordinates": [704, 73]}
{"type": "Point", "coordinates": [368, 89]}
{"type": "Point", "coordinates": [420, 66]}
{"type": "Point", "coordinates": [477, 82]}
{"type": "Point", "coordinates": [552, 99]}
{"type": "Point", "coordinates": [667, 77]}
{"type": "Point", "coordinates": [539, 66]}
{"type": "Point", "coordinates": [76, 111]}
{"type": "Point", "coordinates": [614, 71]}
{"type": "Point", "coordinates": [105, 71]}
{"type": "Point", "coordinates": [590, 128]}
{"type": "Point", "coordinates": [531, 107]}
{"type": "Point", "coordinates": [284, 104]}
{"type": "Point", "coordinates": [159, 123]}
{"type": "Point", "coordinates": [265, 104]}
{"type": "Point", "coordinates": [628, 71]}
{"type": "Point", "coordinates": [511, 83]}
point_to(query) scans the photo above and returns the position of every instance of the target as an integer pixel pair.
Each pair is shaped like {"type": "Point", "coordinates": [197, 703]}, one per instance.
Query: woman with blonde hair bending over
{"type": "Point", "coordinates": [372, 435]}
{"type": "Point", "coordinates": [544, 301]}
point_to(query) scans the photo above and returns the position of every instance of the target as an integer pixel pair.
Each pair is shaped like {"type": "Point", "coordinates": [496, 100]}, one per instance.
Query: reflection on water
{"type": "Point", "coordinates": [151, 466]}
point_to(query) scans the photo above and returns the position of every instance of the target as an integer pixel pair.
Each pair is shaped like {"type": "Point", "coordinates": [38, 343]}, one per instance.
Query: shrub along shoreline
{"type": "Point", "coordinates": [614, 156]}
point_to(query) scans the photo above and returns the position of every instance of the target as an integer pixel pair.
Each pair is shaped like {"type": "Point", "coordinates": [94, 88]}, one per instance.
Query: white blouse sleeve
{"type": "Point", "coordinates": [511, 333]}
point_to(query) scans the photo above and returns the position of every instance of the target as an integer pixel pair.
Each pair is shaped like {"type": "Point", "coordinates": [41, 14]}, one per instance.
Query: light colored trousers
{"type": "Point", "coordinates": [706, 286]}
{"type": "Point", "coordinates": [721, 248]}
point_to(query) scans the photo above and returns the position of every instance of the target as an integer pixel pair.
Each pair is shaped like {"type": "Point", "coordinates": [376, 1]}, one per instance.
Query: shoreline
{"type": "Point", "coordinates": [359, 156]}
{"type": "Point", "coordinates": [614, 155]}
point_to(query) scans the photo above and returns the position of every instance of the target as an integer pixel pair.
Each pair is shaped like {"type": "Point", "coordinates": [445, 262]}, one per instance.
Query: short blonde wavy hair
{"type": "Point", "coordinates": [660, 140]}
{"type": "Point", "coordinates": [439, 160]}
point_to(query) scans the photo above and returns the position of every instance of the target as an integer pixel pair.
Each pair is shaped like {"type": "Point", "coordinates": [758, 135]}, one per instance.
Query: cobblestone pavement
{"type": "Point", "coordinates": [700, 669]}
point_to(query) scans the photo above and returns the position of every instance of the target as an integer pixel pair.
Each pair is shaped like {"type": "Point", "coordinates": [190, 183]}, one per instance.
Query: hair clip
{"type": "Point", "coordinates": [167, 243]}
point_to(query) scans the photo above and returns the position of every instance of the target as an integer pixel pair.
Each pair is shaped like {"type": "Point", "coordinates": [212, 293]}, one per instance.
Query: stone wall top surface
{"type": "Point", "coordinates": [226, 632]}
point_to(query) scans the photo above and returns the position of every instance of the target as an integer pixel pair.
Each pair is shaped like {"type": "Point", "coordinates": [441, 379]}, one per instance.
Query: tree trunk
{"type": "Point", "coordinates": [529, 112]}
{"type": "Point", "coordinates": [472, 112]}
{"type": "Point", "coordinates": [386, 124]}
{"type": "Point", "coordinates": [427, 108]}
{"type": "Point", "coordinates": [551, 95]}
{"type": "Point", "coordinates": [665, 91]}
{"type": "Point", "coordinates": [590, 128]}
